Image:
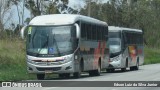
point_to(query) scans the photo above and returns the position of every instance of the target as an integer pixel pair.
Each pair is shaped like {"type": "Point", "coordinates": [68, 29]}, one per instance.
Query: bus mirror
{"type": "Point", "coordinates": [77, 30]}
{"type": "Point", "coordinates": [22, 32]}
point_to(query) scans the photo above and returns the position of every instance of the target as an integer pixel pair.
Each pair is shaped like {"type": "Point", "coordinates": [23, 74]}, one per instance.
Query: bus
{"type": "Point", "coordinates": [66, 44]}
{"type": "Point", "coordinates": [126, 48]}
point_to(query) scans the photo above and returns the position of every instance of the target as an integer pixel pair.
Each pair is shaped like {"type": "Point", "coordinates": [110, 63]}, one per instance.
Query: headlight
{"type": "Point", "coordinates": [30, 61]}
{"type": "Point", "coordinates": [117, 58]}
{"type": "Point", "coordinates": [67, 58]}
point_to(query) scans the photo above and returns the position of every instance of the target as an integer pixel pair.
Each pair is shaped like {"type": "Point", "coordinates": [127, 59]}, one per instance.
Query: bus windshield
{"type": "Point", "coordinates": [43, 41]}
{"type": "Point", "coordinates": [114, 45]}
{"type": "Point", "coordinates": [114, 34]}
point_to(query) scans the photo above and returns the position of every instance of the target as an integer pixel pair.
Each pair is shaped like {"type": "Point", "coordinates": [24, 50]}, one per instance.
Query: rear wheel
{"type": "Point", "coordinates": [137, 65]}
{"type": "Point", "coordinates": [110, 70]}
{"type": "Point", "coordinates": [96, 72]}
{"type": "Point", "coordinates": [123, 69]}
{"type": "Point", "coordinates": [40, 76]}
{"type": "Point", "coordinates": [132, 68]}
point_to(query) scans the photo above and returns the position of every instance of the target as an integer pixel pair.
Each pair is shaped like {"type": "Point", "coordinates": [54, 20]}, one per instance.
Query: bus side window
{"type": "Point", "coordinates": [94, 33]}
{"type": "Point", "coordinates": [83, 31]}
{"type": "Point", "coordinates": [124, 40]}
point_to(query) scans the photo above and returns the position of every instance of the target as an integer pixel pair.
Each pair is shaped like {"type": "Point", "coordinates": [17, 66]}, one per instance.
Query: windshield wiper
{"type": "Point", "coordinates": [56, 45]}
{"type": "Point", "coordinates": [44, 45]}
{"type": "Point", "coordinates": [33, 37]}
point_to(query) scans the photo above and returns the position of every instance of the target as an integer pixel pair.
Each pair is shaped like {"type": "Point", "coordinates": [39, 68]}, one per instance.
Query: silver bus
{"type": "Point", "coordinates": [126, 48]}
{"type": "Point", "coordinates": [66, 44]}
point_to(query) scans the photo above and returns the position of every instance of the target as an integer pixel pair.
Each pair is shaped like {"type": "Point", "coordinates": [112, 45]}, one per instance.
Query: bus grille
{"type": "Point", "coordinates": [51, 69]}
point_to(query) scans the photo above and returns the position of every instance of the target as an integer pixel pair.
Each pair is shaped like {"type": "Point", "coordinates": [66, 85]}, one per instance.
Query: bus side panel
{"type": "Point", "coordinates": [87, 52]}
{"type": "Point", "coordinates": [91, 51]}
{"type": "Point", "coordinates": [105, 55]}
{"type": "Point", "coordinates": [141, 54]}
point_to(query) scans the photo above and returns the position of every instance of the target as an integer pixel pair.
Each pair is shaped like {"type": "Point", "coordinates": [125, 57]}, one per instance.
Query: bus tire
{"type": "Point", "coordinates": [137, 65]}
{"type": "Point", "coordinates": [91, 73]}
{"type": "Point", "coordinates": [64, 75]}
{"type": "Point", "coordinates": [124, 69]}
{"type": "Point", "coordinates": [110, 70]}
{"type": "Point", "coordinates": [40, 76]}
{"type": "Point", "coordinates": [132, 68]}
{"type": "Point", "coordinates": [67, 75]}
{"type": "Point", "coordinates": [78, 74]}
{"type": "Point", "coordinates": [98, 71]}
{"type": "Point", "coordinates": [61, 75]}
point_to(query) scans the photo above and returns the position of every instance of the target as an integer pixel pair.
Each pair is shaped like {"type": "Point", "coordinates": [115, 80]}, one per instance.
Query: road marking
{"type": "Point", "coordinates": [50, 88]}
{"type": "Point", "coordinates": [113, 89]}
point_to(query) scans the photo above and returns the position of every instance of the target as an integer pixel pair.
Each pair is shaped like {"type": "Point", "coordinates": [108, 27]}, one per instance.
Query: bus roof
{"type": "Point", "coordinates": [63, 19]}
{"type": "Point", "coordinates": [114, 28]}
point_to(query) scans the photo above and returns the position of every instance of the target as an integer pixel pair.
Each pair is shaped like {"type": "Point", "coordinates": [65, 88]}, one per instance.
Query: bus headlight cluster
{"type": "Point", "coordinates": [30, 61]}
{"type": "Point", "coordinates": [67, 58]}
{"type": "Point", "coordinates": [117, 58]}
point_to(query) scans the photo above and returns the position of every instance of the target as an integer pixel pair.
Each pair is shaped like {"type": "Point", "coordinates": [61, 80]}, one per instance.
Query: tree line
{"type": "Point", "coordinates": [140, 14]}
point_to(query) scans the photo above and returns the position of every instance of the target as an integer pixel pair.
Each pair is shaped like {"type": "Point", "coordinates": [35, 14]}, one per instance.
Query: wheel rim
{"type": "Point", "coordinates": [99, 69]}
{"type": "Point", "coordinates": [137, 65]}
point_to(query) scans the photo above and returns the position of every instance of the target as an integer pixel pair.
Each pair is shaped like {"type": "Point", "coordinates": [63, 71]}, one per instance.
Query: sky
{"type": "Point", "coordinates": [76, 4]}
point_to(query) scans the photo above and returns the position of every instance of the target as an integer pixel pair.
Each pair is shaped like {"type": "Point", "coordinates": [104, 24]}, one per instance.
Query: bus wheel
{"type": "Point", "coordinates": [123, 69]}
{"type": "Point", "coordinates": [64, 75]}
{"type": "Point", "coordinates": [132, 68]}
{"type": "Point", "coordinates": [110, 70]}
{"type": "Point", "coordinates": [67, 75]}
{"type": "Point", "coordinates": [91, 73]}
{"type": "Point", "coordinates": [61, 75]}
{"type": "Point", "coordinates": [98, 71]}
{"type": "Point", "coordinates": [40, 76]}
{"type": "Point", "coordinates": [78, 74]}
{"type": "Point", "coordinates": [137, 65]}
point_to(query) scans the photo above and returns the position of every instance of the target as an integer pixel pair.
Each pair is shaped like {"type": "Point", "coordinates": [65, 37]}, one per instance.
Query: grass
{"type": "Point", "coordinates": [12, 61]}
{"type": "Point", "coordinates": [152, 55]}
{"type": "Point", "coordinates": [13, 64]}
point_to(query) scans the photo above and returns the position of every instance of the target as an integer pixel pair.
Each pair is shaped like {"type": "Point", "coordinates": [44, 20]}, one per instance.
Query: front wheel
{"type": "Point", "coordinates": [95, 72]}
{"type": "Point", "coordinates": [123, 69]}
{"type": "Point", "coordinates": [78, 74]}
{"type": "Point", "coordinates": [98, 71]}
{"type": "Point", "coordinates": [40, 76]}
{"type": "Point", "coordinates": [64, 75]}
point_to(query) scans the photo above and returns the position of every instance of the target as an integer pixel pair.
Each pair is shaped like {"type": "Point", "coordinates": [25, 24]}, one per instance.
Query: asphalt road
{"type": "Point", "coordinates": [145, 73]}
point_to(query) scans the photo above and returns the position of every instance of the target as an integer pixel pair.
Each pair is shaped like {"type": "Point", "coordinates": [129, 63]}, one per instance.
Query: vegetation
{"type": "Point", "coordinates": [12, 58]}
{"type": "Point", "coordinates": [152, 55]}
{"type": "Point", "coordinates": [141, 14]}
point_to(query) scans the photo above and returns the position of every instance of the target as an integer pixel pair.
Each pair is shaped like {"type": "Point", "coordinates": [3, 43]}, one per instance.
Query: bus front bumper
{"type": "Point", "coordinates": [115, 64]}
{"type": "Point", "coordinates": [62, 68]}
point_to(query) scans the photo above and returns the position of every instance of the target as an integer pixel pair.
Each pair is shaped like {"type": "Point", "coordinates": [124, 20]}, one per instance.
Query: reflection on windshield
{"type": "Point", "coordinates": [114, 45]}
{"type": "Point", "coordinates": [49, 40]}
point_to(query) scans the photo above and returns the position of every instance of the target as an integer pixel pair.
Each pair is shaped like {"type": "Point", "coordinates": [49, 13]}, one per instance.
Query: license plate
{"type": "Point", "coordinates": [48, 71]}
